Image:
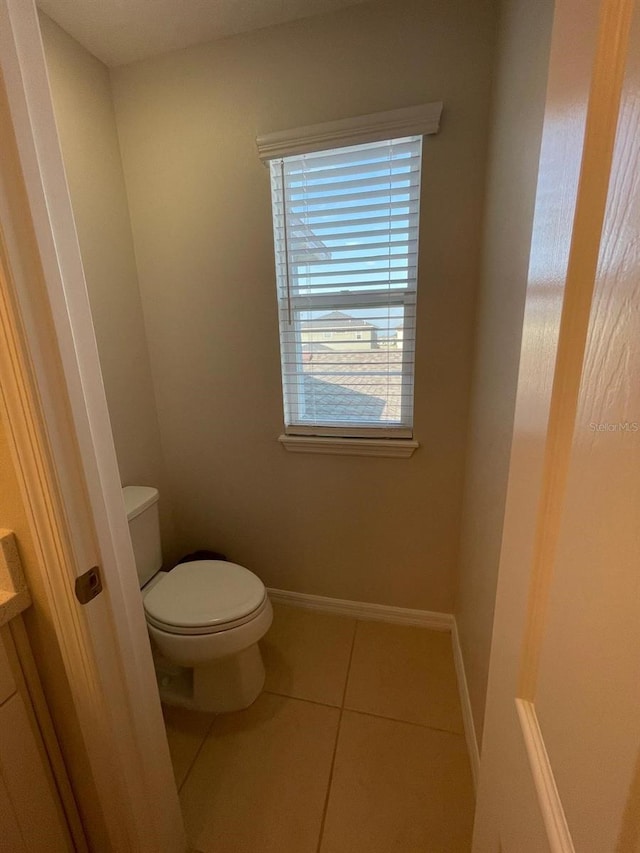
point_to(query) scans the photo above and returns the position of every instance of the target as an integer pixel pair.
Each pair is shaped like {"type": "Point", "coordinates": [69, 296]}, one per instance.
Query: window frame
{"type": "Point", "coordinates": [422, 121]}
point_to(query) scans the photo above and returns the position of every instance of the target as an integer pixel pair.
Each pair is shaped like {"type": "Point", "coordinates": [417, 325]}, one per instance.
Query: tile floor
{"type": "Point", "coordinates": [355, 746]}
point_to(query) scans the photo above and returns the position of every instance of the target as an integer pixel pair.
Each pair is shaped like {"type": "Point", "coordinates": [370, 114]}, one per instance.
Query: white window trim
{"type": "Point", "coordinates": [421, 120]}
{"type": "Point", "coordinates": [396, 448]}
{"type": "Point", "coordinates": [409, 121]}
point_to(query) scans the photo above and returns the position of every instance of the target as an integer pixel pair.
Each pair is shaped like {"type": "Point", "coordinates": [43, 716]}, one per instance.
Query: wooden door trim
{"type": "Point", "coordinates": [64, 433]}
{"type": "Point", "coordinates": [21, 412]}
{"type": "Point", "coordinates": [600, 133]}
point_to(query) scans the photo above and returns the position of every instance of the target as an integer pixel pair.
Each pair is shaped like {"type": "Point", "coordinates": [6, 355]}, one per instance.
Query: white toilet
{"type": "Point", "coordinates": [205, 618]}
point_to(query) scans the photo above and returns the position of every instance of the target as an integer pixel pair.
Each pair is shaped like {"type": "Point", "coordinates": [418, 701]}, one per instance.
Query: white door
{"type": "Point", "coordinates": [51, 390]}
{"type": "Point", "coordinates": [560, 766]}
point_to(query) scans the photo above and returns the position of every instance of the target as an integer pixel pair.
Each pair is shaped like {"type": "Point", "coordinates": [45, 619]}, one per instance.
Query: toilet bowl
{"type": "Point", "coordinates": [205, 619]}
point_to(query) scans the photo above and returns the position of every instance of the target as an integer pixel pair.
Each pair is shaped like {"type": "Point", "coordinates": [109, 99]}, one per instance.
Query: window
{"type": "Point", "coordinates": [346, 224]}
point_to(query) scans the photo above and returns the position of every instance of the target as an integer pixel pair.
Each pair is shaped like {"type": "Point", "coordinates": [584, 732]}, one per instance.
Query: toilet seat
{"type": "Point", "coordinates": [199, 631]}
{"type": "Point", "coordinates": [204, 597]}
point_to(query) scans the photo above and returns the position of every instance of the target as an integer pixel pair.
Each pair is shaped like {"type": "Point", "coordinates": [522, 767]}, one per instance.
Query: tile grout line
{"type": "Point", "coordinates": [366, 713]}
{"type": "Point", "coordinates": [353, 645]}
{"type": "Point", "coordinates": [197, 753]}
{"type": "Point", "coordinates": [335, 746]}
{"type": "Point", "coordinates": [404, 722]}
{"type": "Point", "coordinates": [301, 699]}
{"type": "Point", "coordinates": [384, 716]}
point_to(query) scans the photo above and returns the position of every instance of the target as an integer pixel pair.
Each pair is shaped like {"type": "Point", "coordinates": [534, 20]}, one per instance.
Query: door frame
{"type": "Point", "coordinates": [54, 401]}
{"type": "Point", "coordinates": [580, 125]}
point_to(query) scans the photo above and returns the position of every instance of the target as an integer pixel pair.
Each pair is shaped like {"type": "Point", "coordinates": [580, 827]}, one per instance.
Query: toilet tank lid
{"type": "Point", "coordinates": [138, 498]}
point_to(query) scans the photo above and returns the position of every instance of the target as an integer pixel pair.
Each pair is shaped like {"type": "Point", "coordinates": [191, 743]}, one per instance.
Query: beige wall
{"type": "Point", "coordinates": [88, 135]}
{"type": "Point", "coordinates": [371, 529]}
{"type": "Point", "coordinates": [517, 112]}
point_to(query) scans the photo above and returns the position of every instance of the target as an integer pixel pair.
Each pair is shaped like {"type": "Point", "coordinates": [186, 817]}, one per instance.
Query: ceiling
{"type": "Point", "coordinates": [121, 31]}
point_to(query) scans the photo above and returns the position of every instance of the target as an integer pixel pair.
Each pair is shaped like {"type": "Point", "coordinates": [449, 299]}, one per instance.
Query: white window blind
{"type": "Point", "coordinates": [346, 239]}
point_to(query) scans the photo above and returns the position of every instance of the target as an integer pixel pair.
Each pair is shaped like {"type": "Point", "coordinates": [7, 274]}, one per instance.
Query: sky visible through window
{"type": "Point", "coordinates": [345, 236]}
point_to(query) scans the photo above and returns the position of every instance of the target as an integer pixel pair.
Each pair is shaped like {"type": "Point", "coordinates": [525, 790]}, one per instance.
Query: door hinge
{"type": "Point", "coordinates": [89, 585]}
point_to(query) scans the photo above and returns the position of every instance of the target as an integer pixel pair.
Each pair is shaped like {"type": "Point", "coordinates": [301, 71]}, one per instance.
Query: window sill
{"type": "Point", "coordinates": [396, 448]}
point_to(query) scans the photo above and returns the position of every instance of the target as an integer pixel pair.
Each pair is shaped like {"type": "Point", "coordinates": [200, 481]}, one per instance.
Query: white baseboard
{"type": "Point", "coordinates": [364, 610]}
{"type": "Point", "coordinates": [555, 820]}
{"type": "Point", "coordinates": [465, 701]}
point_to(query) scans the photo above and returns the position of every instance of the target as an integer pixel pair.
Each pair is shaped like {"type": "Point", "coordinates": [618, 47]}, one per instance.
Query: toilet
{"type": "Point", "coordinates": [205, 619]}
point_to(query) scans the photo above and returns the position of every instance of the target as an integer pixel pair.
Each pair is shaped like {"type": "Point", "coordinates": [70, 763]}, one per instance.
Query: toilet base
{"type": "Point", "coordinates": [223, 685]}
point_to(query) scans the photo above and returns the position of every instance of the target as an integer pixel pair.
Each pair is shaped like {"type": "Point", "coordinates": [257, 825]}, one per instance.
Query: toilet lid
{"type": "Point", "coordinates": [204, 593]}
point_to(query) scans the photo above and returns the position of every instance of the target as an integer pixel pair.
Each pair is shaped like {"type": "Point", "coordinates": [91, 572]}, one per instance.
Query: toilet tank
{"type": "Point", "coordinates": [141, 503]}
